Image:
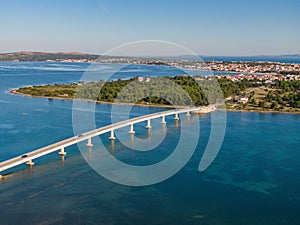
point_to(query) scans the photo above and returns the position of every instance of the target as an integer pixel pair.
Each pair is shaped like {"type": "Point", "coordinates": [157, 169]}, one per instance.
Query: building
{"type": "Point", "coordinates": [243, 100]}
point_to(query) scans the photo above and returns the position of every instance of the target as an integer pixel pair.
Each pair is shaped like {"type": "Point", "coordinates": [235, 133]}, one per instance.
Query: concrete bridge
{"type": "Point", "coordinates": [27, 158]}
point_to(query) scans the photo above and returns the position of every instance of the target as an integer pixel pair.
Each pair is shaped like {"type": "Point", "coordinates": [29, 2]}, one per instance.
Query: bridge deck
{"type": "Point", "coordinates": [8, 164]}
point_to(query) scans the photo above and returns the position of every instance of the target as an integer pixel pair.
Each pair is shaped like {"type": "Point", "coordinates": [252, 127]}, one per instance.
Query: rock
{"type": "Point", "coordinates": [205, 109]}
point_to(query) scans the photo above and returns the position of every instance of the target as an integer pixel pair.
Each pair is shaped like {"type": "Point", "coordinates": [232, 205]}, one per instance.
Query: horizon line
{"type": "Point", "coordinates": [159, 56]}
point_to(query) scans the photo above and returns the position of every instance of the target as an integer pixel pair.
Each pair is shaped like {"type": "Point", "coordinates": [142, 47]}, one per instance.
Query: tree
{"type": "Point", "coordinates": [296, 104]}
{"type": "Point", "coordinates": [253, 101]}
{"type": "Point", "coordinates": [274, 105]}
{"type": "Point", "coordinates": [261, 104]}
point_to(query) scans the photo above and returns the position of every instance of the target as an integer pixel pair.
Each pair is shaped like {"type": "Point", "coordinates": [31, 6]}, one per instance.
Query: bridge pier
{"type": "Point", "coordinates": [148, 124]}
{"type": "Point", "coordinates": [112, 135]}
{"type": "Point", "coordinates": [89, 144]}
{"type": "Point", "coordinates": [149, 132]}
{"type": "Point", "coordinates": [62, 159]}
{"type": "Point", "coordinates": [163, 120]}
{"type": "Point", "coordinates": [62, 152]}
{"type": "Point", "coordinates": [59, 146]}
{"type": "Point", "coordinates": [131, 129]}
{"type": "Point", "coordinates": [30, 163]}
{"type": "Point", "coordinates": [112, 146]}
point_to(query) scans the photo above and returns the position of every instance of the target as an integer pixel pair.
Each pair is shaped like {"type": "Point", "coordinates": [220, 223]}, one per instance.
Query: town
{"type": "Point", "coordinates": [245, 69]}
{"type": "Point", "coordinates": [266, 78]}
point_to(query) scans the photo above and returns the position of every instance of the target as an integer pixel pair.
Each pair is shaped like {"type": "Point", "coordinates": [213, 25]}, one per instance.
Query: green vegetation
{"type": "Point", "coordinates": [182, 91]}
{"type": "Point", "coordinates": [285, 93]}
{"type": "Point", "coordinates": [56, 90]}
{"type": "Point", "coordinates": [231, 88]}
{"type": "Point", "coordinates": [44, 56]}
{"type": "Point", "coordinates": [281, 96]}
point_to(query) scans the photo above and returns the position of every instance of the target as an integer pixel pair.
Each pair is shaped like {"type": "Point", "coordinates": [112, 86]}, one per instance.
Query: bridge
{"type": "Point", "coordinates": [27, 158]}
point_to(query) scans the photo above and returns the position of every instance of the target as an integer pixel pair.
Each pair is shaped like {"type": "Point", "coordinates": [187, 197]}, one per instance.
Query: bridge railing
{"type": "Point", "coordinates": [29, 156]}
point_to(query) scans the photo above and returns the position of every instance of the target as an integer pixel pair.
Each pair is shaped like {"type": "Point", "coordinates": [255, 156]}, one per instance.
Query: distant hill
{"type": "Point", "coordinates": [44, 56]}
{"type": "Point", "coordinates": [77, 56]}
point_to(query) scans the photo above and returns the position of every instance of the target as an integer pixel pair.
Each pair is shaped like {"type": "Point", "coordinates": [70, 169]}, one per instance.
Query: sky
{"type": "Point", "coordinates": [211, 27]}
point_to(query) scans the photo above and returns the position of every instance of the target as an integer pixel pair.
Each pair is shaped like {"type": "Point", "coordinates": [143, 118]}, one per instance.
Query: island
{"type": "Point", "coordinates": [242, 93]}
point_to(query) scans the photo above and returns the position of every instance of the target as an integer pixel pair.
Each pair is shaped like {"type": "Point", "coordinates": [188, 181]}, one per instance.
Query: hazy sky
{"type": "Point", "coordinates": [212, 27]}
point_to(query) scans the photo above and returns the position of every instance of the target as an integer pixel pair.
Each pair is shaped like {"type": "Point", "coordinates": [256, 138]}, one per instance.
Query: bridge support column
{"type": "Point", "coordinates": [112, 135]}
{"type": "Point", "coordinates": [30, 163]}
{"type": "Point", "coordinates": [176, 116]}
{"type": "Point", "coordinates": [148, 124]}
{"type": "Point", "coordinates": [163, 120]}
{"type": "Point", "coordinates": [131, 129]}
{"type": "Point", "coordinates": [89, 144]}
{"type": "Point", "coordinates": [62, 152]}
{"type": "Point", "coordinates": [188, 114]}
{"type": "Point", "coordinates": [1, 177]}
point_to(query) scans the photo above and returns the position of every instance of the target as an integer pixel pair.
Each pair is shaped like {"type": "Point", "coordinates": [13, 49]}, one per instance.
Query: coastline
{"type": "Point", "coordinates": [262, 111]}
{"type": "Point", "coordinates": [14, 92]}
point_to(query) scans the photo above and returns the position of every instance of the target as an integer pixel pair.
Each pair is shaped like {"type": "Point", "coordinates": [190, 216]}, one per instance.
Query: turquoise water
{"type": "Point", "coordinates": [255, 178]}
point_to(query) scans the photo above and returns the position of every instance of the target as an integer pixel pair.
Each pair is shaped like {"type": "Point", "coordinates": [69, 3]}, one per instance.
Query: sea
{"type": "Point", "coordinates": [254, 179]}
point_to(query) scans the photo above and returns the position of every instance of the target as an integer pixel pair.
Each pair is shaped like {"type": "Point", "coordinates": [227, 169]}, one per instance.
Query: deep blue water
{"type": "Point", "coordinates": [253, 180]}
